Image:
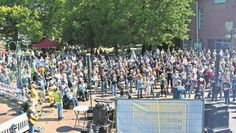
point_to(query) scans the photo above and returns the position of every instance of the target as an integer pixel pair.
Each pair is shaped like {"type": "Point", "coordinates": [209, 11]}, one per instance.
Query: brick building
{"type": "Point", "coordinates": [209, 25]}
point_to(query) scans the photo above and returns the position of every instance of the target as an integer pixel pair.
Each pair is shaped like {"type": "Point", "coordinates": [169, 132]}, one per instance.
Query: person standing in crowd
{"type": "Point", "coordinates": [226, 88]}
{"type": "Point", "coordinates": [31, 115]}
{"type": "Point", "coordinates": [130, 80]}
{"type": "Point", "coordinates": [139, 85]}
{"type": "Point", "coordinates": [234, 87]}
{"type": "Point", "coordinates": [95, 80]}
{"type": "Point", "coordinates": [104, 82]}
{"type": "Point", "coordinates": [169, 77]}
{"type": "Point", "coordinates": [34, 95]}
{"type": "Point", "coordinates": [51, 95]}
{"type": "Point", "coordinates": [158, 69]}
{"type": "Point", "coordinates": [74, 83]}
{"type": "Point", "coordinates": [178, 91]}
{"type": "Point", "coordinates": [188, 87]}
{"type": "Point", "coordinates": [145, 84]}
{"type": "Point", "coordinates": [58, 99]}
{"type": "Point", "coordinates": [113, 83]}
{"type": "Point", "coordinates": [42, 85]}
{"type": "Point", "coordinates": [162, 85]}
{"type": "Point", "coordinates": [152, 82]}
{"type": "Point", "coordinates": [26, 92]}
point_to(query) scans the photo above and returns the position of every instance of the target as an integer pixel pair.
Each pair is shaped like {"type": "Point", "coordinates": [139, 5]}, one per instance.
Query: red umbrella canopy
{"type": "Point", "coordinates": [45, 44]}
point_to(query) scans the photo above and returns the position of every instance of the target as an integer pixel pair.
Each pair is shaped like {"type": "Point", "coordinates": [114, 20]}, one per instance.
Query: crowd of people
{"type": "Point", "coordinates": [67, 70]}
{"type": "Point", "coordinates": [137, 74]}
{"type": "Point", "coordinates": [61, 77]}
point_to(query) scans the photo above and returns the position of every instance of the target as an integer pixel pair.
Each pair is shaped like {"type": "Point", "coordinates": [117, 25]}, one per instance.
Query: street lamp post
{"type": "Point", "coordinates": [18, 58]}
{"type": "Point", "coordinates": [18, 62]}
{"type": "Point", "coordinates": [89, 66]}
{"type": "Point", "coordinates": [231, 35]}
{"type": "Point", "coordinates": [9, 44]}
{"type": "Point", "coordinates": [231, 32]}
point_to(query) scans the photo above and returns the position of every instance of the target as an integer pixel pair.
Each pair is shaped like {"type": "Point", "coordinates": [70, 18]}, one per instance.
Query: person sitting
{"type": "Point", "coordinates": [81, 91]}
{"type": "Point", "coordinates": [178, 91]}
{"type": "Point", "coordinates": [71, 98]}
{"type": "Point", "coordinates": [199, 92]}
{"type": "Point", "coordinates": [51, 96]}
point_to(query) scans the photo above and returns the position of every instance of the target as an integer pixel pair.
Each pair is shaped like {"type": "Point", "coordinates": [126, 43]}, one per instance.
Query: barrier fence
{"type": "Point", "coordinates": [9, 91]}
{"type": "Point", "coordinates": [18, 124]}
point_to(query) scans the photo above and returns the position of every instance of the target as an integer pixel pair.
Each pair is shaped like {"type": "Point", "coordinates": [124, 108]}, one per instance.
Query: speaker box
{"type": "Point", "coordinates": [90, 113]}
{"type": "Point", "coordinates": [218, 120]}
{"type": "Point", "coordinates": [219, 130]}
{"type": "Point", "coordinates": [219, 108]}
{"type": "Point", "coordinates": [100, 116]}
{"type": "Point", "coordinates": [208, 111]}
{"type": "Point", "coordinates": [206, 117]}
{"type": "Point", "coordinates": [208, 104]}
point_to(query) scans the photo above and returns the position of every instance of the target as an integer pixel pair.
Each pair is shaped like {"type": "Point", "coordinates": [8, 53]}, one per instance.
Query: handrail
{"type": "Point", "coordinates": [9, 91]}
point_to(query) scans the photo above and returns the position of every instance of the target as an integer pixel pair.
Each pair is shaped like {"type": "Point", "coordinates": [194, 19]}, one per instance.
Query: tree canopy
{"type": "Point", "coordinates": [97, 22]}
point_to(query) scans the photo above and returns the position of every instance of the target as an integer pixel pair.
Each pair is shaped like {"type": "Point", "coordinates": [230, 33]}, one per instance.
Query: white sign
{"type": "Point", "coordinates": [159, 116]}
{"type": "Point", "coordinates": [19, 124]}
{"type": "Point", "coordinates": [8, 90]}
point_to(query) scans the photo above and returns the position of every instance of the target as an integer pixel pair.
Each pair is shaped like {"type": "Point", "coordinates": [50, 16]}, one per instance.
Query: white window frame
{"type": "Point", "coordinates": [219, 1]}
{"type": "Point", "coordinates": [200, 19]}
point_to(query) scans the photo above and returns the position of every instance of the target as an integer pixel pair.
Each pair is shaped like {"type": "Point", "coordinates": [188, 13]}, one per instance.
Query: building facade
{"type": "Point", "coordinates": [214, 25]}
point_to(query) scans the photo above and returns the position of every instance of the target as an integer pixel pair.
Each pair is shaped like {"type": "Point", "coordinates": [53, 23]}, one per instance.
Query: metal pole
{"type": "Point", "coordinates": [19, 70]}
{"type": "Point", "coordinates": [216, 72]}
{"type": "Point", "coordinates": [18, 62]}
{"type": "Point", "coordinates": [232, 41]}
{"type": "Point", "coordinates": [89, 76]}
{"type": "Point", "coordinates": [197, 24]}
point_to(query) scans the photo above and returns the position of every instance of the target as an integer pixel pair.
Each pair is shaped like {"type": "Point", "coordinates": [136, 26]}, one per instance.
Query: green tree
{"type": "Point", "coordinates": [52, 16]}
{"type": "Point", "coordinates": [35, 19]}
{"type": "Point", "coordinates": [98, 22]}
{"type": "Point", "coordinates": [17, 20]}
{"type": "Point", "coordinates": [111, 22]}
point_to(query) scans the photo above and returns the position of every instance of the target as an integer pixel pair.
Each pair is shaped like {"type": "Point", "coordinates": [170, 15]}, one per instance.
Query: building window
{"type": "Point", "coordinates": [223, 44]}
{"type": "Point", "coordinates": [200, 19]}
{"type": "Point", "coordinates": [219, 1]}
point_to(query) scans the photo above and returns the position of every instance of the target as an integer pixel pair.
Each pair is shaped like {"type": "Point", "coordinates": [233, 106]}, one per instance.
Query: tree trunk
{"type": "Point", "coordinates": [144, 48]}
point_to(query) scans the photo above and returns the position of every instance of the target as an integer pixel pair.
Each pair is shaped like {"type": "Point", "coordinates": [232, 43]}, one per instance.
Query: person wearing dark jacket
{"type": "Point", "coordinates": [226, 87]}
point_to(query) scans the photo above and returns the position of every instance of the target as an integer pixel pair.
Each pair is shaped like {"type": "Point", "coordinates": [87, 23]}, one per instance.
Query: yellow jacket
{"type": "Point", "coordinates": [51, 96]}
{"type": "Point", "coordinates": [34, 93]}
{"type": "Point", "coordinates": [57, 97]}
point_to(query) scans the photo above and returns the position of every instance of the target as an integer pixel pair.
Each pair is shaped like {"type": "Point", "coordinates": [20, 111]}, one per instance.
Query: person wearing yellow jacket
{"type": "Point", "coordinates": [34, 95]}
{"type": "Point", "coordinates": [58, 99]}
{"type": "Point", "coordinates": [51, 96]}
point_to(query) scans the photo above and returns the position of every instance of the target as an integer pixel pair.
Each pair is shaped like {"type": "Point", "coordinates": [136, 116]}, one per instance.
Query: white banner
{"type": "Point", "coordinates": [19, 124]}
{"type": "Point", "coordinates": [9, 91]}
{"type": "Point", "coordinates": [159, 116]}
